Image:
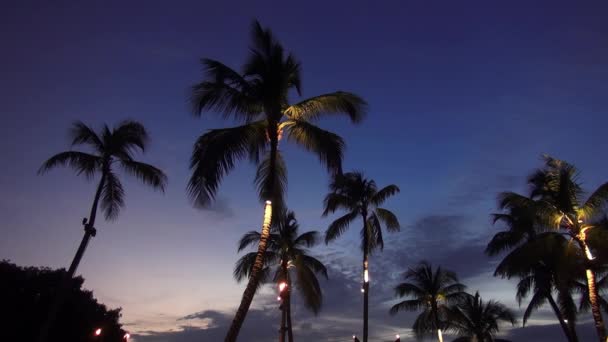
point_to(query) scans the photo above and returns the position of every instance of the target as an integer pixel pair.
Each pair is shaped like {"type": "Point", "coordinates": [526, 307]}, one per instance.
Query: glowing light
{"type": "Point", "coordinates": [127, 336]}
{"type": "Point", "coordinates": [397, 336]}
{"type": "Point", "coordinates": [279, 298]}
{"type": "Point", "coordinates": [282, 286]}
{"type": "Point", "coordinates": [354, 337]}
{"type": "Point", "coordinates": [588, 253]}
{"type": "Point", "coordinates": [268, 202]}
{"type": "Point", "coordinates": [366, 276]}
{"type": "Point", "coordinates": [362, 290]}
{"type": "Point", "coordinates": [440, 335]}
{"type": "Point", "coordinates": [98, 332]}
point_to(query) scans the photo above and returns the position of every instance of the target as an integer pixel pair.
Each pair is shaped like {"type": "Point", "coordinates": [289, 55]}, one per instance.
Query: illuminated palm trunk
{"type": "Point", "coordinates": [89, 231]}
{"type": "Point", "coordinates": [439, 335]}
{"type": "Point", "coordinates": [365, 277]}
{"type": "Point", "coordinates": [592, 288]}
{"type": "Point", "coordinates": [241, 313]}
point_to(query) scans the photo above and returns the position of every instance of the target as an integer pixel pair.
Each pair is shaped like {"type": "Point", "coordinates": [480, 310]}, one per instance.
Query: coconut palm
{"type": "Point", "coordinates": [287, 261]}
{"type": "Point", "coordinates": [476, 321]}
{"type": "Point", "coordinates": [432, 292]}
{"type": "Point", "coordinates": [360, 198]}
{"type": "Point", "coordinates": [557, 188]}
{"type": "Point", "coordinates": [110, 149]}
{"type": "Point", "coordinates": [257, 96]}
{"type": "Point", "coordinates": [542, 259]}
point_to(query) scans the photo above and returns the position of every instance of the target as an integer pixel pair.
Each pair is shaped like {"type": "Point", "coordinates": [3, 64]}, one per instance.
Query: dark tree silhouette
{"type": "Point", "coordinates": [258, 97]}
{"type": "Point", "coordinates": [26, 294]}
{"type": "Point", "coordinates": [361, 198]}
{"type": "Point", "coordinates": [478, 321]}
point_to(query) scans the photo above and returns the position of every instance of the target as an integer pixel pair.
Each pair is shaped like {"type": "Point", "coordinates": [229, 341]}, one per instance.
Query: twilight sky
{"type": "Point", "coordinates": [464, 97]}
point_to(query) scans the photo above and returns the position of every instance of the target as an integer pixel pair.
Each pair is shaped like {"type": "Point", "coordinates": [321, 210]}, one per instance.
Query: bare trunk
{"type": "Point", "coordinates": [282, 329]}
{"type": "Point", "coordinates": [593, 291]}
{"type": "Point", "coordinates": [289, 326]}
{"type": "Point", "coordinates": [439, 335]}
{"type": "Point", "coordinates": [254, 279]}
{"type": "Point", "coordinates": [365, 277]}
{"type": "Point", "coordinates": [63, 286]}
{"type": "Point", "coordinates": [560, 318]}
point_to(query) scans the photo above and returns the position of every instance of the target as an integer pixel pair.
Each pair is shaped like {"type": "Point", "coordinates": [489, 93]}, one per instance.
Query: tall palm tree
{"type": "Point", "coordinates": [539, 257]}
{"type": "Point", "coordinates": [432, 292]}
{"type": "Point", "coordinates": [360, 198]}
{"type": "Point", "coordinates": [288, 262]}
{"type": "Point", "coordinates": [477, 321]}
{"type": "Point", "coordinates": [258, 97]}
{"type": "Point", "coordinates": [110, 149]}
{"type": "Point", "coordinates": [557, 188]}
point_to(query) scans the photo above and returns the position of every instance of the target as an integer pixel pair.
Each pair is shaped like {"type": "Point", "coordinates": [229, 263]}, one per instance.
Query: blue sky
{"type": "Point", "coordinates": [464, 97]}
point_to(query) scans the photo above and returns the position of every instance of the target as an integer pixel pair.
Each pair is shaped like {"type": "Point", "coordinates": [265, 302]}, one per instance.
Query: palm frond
{"type": "Point", "coordinates": [334, 201]}
{"type": "Point", "coordinates": [339, 226]}
{"type": "Point", "coordinates": [271, 180]}
{"type": "Point", "coordinates": [250, 238]}
{"type": "Point", "coordinates": [83, 163]}
{"type": "Point", "coordinates": [326, 145]}
{"type": "Point", "coordinates": [385, 193]}
{"type": "Point", "coordinates": [308, 239]}
{"type": "Point", "coordinates": [214, 155]}
{"type": "Point", "coordinates": [226, 91]}
{"type": "Point", "coordinates": [83, 134]}
{"type": "Point", "coordinates": [374, 234]}
{"type": "Point", "coordinates": [595, 202]}
{"type": "Point", "coordinates": [309, 288]}
{"type": "Point", "coordinates": [338, 102]}
{"type": "Point", "coordinates": [127, 136]}
{"type": "Point", "coordinates": [536, 302]}
{"type": "Point", "coordinates": [314, 264]}
{"type": "Point", "coordinates": [112, 196]}
{"type": "Point", "coordinates": [409, 289]}
{"type": "Point", "coordinates": [389, 219]}
{"type": "Point", "coordinates": [147, 173]}
{"type": "Point", "coordinates": [406, 305]}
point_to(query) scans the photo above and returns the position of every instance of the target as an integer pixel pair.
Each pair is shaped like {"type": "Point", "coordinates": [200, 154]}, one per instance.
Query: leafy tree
{"type": "Point", "coordinates": [432, 292]}
{"type": "Point", "coordinates": [287, 261]}
{"type": "Point", "coordinates": [360, 198]}
{"type": "Point", "coordinates": [477, 321]}
{"type": "Point", "coordinates": [258, 97]}
{"type": "Point", "coordinates": [26, 293]}
{"type": "Point", "coordinates": [543, 260]}
{"type": "Point", "coordinates": [110, 148]}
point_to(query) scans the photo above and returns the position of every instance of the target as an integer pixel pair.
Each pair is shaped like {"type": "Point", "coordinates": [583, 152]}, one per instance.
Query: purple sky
{"type": "Point", "coordinates": [464, 97]}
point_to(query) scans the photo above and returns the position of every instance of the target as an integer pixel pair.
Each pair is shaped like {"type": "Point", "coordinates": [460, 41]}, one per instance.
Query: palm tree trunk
{"type": "Point", "coordinates": [593, 292]}
{"type": "Point", "coordinates": [365, 277]}
{"type": "Point", "coordinates": [288, 303]}
{"type": "Point", "coordinates": [567, 331]}
{"type": "Point", "coordinates": [439, 335]}
{"type": "Point", "coordinates": [254, 279]}
{"type": "Point", "coordinates": [283, 329]}
{"type": "Point", "coordinates": [284, 295]}
{"type": "Point", "coordinates": [63, 287]}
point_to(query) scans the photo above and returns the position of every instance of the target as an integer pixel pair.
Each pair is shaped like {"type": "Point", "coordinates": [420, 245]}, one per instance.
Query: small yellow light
{"type": "Point", "coordinates": [282, 286]}
{"type": "Point", "coordinates": [366, 276]}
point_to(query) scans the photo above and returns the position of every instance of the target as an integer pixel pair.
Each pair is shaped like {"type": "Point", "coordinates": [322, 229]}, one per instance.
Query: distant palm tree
{"type": "Point", "coordinates": [556, 186]}
{"type": "Point", "coordinates": [432, 292]}
{"type": "Point", "coordinates": [360, 198]}
{"type": "Point", "coordinates": [476, 321]}
{"type": "Point", "coordinates": [287, 261]}
{"type": "Point", "coordinates": [111, 148]}
{"type": "Point", "coordinates": [541, 258]}
{"type": "Point", "coordinates": [258, 96]}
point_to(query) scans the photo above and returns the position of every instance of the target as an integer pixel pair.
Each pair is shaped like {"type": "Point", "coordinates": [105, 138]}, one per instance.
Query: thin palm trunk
{"type": "Point", "coordinates": [252, 285]}
{"type": "Point", "coordinates": [284, 300]}
{"type": "Point", "coordinates": [365, 277]}
{"type": "Point", "coordinates": [283, 329]}
{"type": "Point", "coordinates": [62, 290]}
{"type": "Point", "coordinates": [593, 292]}
{"type": "Point", "coordinates": [439, 335]}
{"type": "Point", "coordinates": [570, 333]}
{"type": "Point", "coordinates": [289, 327]}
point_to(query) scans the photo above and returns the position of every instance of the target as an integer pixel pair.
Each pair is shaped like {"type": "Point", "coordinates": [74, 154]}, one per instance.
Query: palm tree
{"type": "Point", "coordinates": [110, 148]}
{"type": "Point", "coordinates": [360, 197]}
{"type": "Point", "coordinates": [431, 292]}
{"type": "Point", "coordinates": [287, 258]}
{"type": "Point", "coordinates": [542, 260]}
{"type": "Point", "coordinates": [257, 96]}
{"type": "Point", "coordinates": [557, 188]}
{"type": "Point", "coordinates": [477, 321]}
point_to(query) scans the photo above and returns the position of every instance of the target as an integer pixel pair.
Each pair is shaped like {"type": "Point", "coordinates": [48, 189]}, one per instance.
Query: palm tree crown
{"type": "Point", "coordinates": [432, 292]}
{"type": "Point", "coordinates": [286, 247]}
{"type": "Point", "coordinates": [258, 97]}
{"type": "Point", "coordinates": [475, 320]}
{"type": "Point", "coordinates": [109, 148]}
{"type": "Point", "coordinates": [357, 195]}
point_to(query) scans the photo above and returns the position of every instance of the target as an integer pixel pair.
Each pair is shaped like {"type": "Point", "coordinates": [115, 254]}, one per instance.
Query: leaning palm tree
{"type": "Point", "coordinates": [432, 292]}
{"type": "Point", "coordinates": [110, 149]}
{"type": "Point", "coordinates": [287, 263]}
{"type": "Point", "coordinates": [360, 198]}
{"type": "Point", "coordinates": [476, 321]}
{"type": "Point", "coordinates": [258, 97]}
{"type": "Point", "coordinates": [557, 188]}
{"type": "Point", "coordinates": [541, 258]}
